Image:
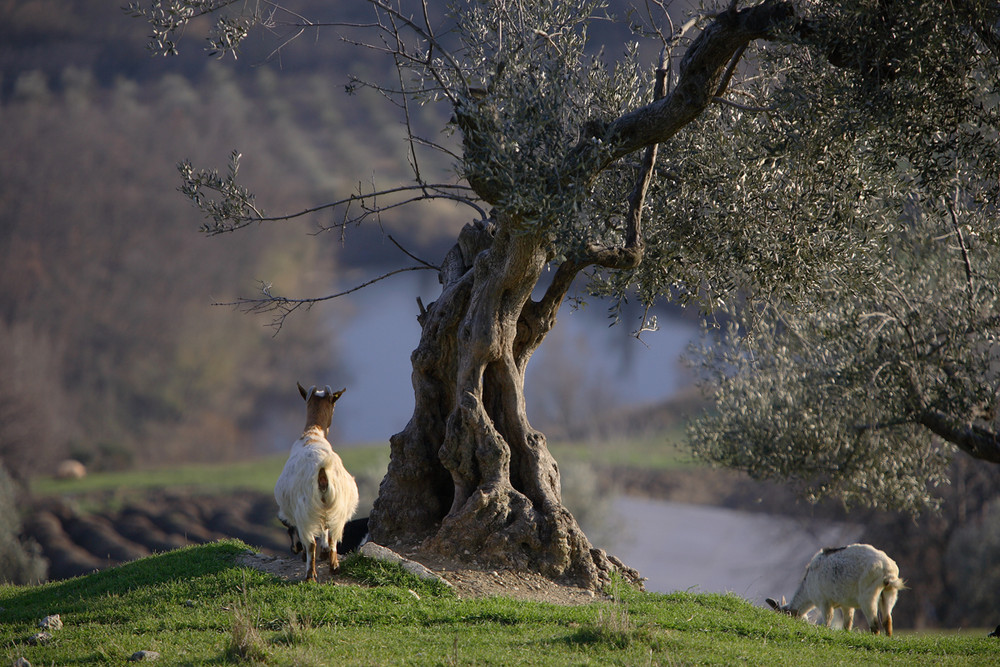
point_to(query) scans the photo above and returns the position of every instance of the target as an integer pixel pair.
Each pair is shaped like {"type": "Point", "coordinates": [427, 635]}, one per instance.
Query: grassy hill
{"type": "Point", "coordinates": [196, 605]}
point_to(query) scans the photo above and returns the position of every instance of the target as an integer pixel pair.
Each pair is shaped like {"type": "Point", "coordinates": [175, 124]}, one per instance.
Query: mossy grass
{"type": "Point", "coordinates": [198, 605]}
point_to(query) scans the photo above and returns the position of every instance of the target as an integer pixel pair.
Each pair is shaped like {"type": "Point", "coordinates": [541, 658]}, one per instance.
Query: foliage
{"type": "Point", "coordinates": [850, 385]}
{"type": "Point", "coordinates": [21, 562]}
{"type": "Point", "coordinates": [181, 605]}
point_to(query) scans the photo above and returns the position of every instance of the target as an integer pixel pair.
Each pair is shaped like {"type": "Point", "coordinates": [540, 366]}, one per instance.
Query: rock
{"type": "Point", "coordinates": [51, 622]}
{"type": "Point", "coordinates": [70, 469]}
{"type": "Point", "coordinates": [378, 552]}
{"type": "Point", "coordinates": [139, 656]}
{"type": "Point", "coordinates": [40, 639]}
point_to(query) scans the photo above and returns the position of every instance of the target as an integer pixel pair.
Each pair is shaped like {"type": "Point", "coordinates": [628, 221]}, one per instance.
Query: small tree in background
{"type": "Point", "coordinates": [36, 413]}
{"type": "Point", "coordinates": [21, 562]}
{"type": "Point", "coordinates": [765, 160]}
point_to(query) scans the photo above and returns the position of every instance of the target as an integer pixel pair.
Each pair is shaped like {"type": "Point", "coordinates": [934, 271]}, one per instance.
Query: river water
{"type": "Point", "coordinates": [681, 547]}
{"type": "Point", "coordinates": [382, 330]}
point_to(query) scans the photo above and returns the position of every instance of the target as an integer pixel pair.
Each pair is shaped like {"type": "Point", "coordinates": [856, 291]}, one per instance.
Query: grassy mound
{"type": "Point", "coordinates": [197, 605]}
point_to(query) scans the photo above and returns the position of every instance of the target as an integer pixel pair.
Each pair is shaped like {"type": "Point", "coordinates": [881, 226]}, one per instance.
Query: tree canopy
{"type": "Point", "coordinates": [820, 170]}
{"type": "Point", "coordinates": [862, 381]}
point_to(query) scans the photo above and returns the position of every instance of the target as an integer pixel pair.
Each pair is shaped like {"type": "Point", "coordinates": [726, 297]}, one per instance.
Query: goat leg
{"type": "Point", "coordinates": [334, 561]}
{"type": "Point", "coordinates": [311, 568]}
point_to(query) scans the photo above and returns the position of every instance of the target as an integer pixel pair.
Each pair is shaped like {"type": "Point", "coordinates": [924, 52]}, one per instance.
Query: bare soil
{"type": "Point", "coordinates": [467, 579]}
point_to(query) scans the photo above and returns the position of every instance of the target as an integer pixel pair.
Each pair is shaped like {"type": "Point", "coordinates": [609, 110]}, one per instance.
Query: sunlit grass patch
{"type": "Point", "coordinates": [198, 605]}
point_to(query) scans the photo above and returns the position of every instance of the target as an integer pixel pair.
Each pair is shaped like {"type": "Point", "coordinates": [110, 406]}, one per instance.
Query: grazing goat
{"type": "Point", "coordinates": [355, 536]}
{"type": "Point", "coordinates": [316, 495]}
{"type": "Point", "coordinates": [858, 575]}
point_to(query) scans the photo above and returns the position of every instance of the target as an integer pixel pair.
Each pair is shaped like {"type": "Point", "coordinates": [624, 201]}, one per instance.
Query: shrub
{"type": "Point", "coordinates": [21, 561]}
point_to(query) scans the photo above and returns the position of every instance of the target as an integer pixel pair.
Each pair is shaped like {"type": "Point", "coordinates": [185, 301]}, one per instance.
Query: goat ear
{"type": "Point", "coordinates": [301, 390]}
{"type": "Point", "coordinates": [773, 604]}
{"type": "Point", "coordinates": [338, 394]}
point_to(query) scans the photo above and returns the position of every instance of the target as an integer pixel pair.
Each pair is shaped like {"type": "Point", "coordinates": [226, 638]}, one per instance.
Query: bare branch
{"type": "Point", "coordinates": [412, 256]}
{"type": "Point", "coordinates": [447, 191]}
{"type": "Point", "coordinates": [285, 306]}
{"type": "Point", "coordinates": [962, 246]}
{"type": "Point", "coordinates": [744, 107]}
{"type": "Point", "coordinates": [730, 70]}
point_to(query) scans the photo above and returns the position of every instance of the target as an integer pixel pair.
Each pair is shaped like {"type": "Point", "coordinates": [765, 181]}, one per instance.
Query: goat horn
{"type": "Point", "coordinates": [312, 390]}
{"type": "Point", "coordinates": [329, 392]}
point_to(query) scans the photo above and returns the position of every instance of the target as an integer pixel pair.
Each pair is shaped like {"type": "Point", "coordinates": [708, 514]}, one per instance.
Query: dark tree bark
{"type": "Point", "coordinates": [469, 473]}
{"type": "Point", "coordinates": [976, 441]}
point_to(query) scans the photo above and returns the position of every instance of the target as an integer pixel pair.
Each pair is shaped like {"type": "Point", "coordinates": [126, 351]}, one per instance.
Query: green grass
{"type": "Point", "coordinates": [196, 606]}
{"type": "Point", "coordinates": [256, 474]}
{"type": "Point", "coordinates": [107, 490]}
{"type": "Point", "coordinates": [659, 451]}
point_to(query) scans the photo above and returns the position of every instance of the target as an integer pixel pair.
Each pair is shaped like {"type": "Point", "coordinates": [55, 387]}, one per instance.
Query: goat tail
{"type": "Point", "coordinates": [894, 582]}
{"type": "Point", "coordinates": [323, 479]}
{"type": "Point", "coordinates": [323, 484]}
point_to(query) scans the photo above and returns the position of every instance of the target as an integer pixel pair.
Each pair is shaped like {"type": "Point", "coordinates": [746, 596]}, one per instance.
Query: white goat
{"type": "Point", "coordinates": [858, 575]}
{"type": "Point", "coordinates": [315, 493]}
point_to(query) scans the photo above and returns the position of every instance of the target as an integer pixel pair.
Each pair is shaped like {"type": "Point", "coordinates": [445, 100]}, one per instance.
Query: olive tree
{"type": "Point", "coordinates": [747, 161]}
{"type": "Point", "coordinates": [865, 386]}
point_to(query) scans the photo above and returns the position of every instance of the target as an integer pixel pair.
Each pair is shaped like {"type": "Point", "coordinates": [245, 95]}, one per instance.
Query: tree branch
{"type": "Point", "coordinates": [976, 441]}
{"type": "Point", "coordinates": [426, 191]}
{"type": "Point", "coordinates": [626, 257]}
{"type": "Point", "coordinates": [409, 254]}
{"type": "Point", "coordinates": [285, 306]}
{"type": "Point", "coordinates": [961, 244]}
{"type": "Point", "coordinates": [630, 254]}
{"type": "Point", "coordinates": [702, 71]}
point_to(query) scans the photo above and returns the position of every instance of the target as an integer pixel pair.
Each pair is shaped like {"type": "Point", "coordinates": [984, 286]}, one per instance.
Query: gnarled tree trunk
{"type": "Point", "coordinates": [469, 475]}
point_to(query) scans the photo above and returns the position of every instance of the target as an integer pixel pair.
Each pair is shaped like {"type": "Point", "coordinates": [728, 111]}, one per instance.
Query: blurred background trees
{"type": "Point", "coordinates": [113, 351]}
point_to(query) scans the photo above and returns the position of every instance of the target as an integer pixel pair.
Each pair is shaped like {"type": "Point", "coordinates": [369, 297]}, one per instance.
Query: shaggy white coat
{"type": "Point", "coordinates": [317, 514]}
{"type": "Point", "coordinates": [851, 577]}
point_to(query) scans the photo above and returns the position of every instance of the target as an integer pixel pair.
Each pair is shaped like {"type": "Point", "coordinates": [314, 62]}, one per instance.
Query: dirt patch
{"type": "Point", "coordinates": [467, 579]}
